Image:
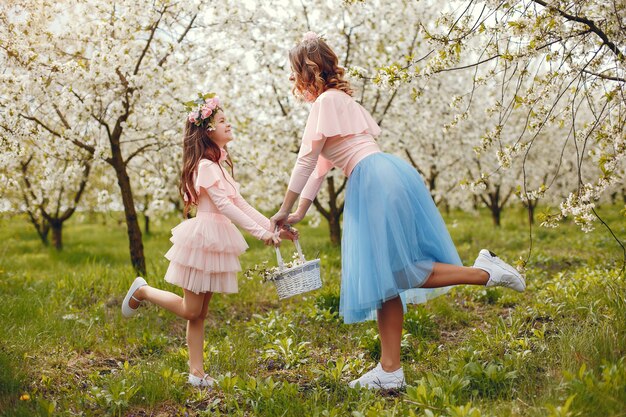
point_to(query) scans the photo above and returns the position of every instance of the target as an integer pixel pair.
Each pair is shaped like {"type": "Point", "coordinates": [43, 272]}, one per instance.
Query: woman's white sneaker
{"type": "Point", "coordinates": [500, 273]}
{"type": "Point", "coordinates": [378, 378]}
{"type": "Point", "coordinates": [201, 382]}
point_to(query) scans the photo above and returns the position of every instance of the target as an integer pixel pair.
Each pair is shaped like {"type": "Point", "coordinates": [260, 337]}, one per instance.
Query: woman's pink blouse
{"type": "Point", "coordinates": [339, 133]}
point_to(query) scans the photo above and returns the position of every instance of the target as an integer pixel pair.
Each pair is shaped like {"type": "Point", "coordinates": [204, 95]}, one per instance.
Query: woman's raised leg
{"type": "Point", "coordinates": [444, 275]}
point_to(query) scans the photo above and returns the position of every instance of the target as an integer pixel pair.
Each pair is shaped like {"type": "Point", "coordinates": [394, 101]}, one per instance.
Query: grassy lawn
{"type": "Point", "coordinates": [556, 350]}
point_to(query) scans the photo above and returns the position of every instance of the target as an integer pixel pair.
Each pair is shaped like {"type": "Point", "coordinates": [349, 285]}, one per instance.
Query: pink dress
{"type": "Point", "coordinates": [205, 253]}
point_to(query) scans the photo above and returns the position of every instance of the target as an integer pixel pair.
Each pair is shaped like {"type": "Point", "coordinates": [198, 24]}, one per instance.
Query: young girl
{"type": "Point", "coordinates": [395, 247]}
{"type": "Point", "coordinates": [204, 255]}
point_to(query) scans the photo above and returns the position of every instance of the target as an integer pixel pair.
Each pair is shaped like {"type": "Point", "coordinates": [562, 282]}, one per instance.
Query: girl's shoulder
{"type": "Point", "coordinates": [206, 162]}
{"type": "Point", "coordinates": [210, 173]}
{"type": "Point", "coordinates": [206, 166]}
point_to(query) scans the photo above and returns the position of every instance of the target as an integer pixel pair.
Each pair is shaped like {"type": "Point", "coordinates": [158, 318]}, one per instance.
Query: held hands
{"type": "Point", "coordinates": [295, 217]}
{"type": "Point", "coordinates": [281, 218]}
{"type": "Point", "coordinates": [278, 219]}
{"type": "Point", "coordinates": [273, 240]}
{"type": "Point", "coordinates": [286, 232]}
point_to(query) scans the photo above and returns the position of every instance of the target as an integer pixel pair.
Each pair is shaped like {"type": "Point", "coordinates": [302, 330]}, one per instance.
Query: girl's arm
{"type": "Point", "coordinates": [251, 212]}
{"type": "Point", "coordinates": [236, 215]}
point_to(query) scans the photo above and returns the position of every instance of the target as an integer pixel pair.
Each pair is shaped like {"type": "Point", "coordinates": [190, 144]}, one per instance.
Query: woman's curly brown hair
{"type": "Point", "coordinates": [316, 68]}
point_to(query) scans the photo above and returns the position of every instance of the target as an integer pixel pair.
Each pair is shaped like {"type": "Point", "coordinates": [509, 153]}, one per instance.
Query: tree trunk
{"type": "Point", "coordinates": [496, 203]}
{"type": "Point", "coordinates": [132, 224]}
{"type": "Point", "coordinates": [496, 211]}
{"type": "Point", "coordinates": [42, 227]}
{"type": "Point", "coordinates": [57, 234]}
{"type": "Point", "coordinates": [135, 241]}
{"type": "Point", "coordinates": [334, 211]}
{"type": "Point", "coordinates": [495, 206]}
{"type": "Point", "coordinates": [146, 224]}
{"type": "Point", "coordinates": [335, 230]}
{"type": "Point", "coordinates": [43, 234]}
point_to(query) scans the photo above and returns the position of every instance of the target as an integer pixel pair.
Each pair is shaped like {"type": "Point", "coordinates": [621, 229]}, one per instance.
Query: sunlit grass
{"type": "Point", "coordinates": [475, 352]}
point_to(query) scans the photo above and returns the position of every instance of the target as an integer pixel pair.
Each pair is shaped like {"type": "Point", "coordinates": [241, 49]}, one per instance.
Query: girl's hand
{"type": "Point", "coordinates": [289, 233]}
{"type": "Point", "coordinates": [278, 219]}
{"type": "Point", "coordinates": [295, 218]}
{"type": "Point", "coordinates": [273, 240]}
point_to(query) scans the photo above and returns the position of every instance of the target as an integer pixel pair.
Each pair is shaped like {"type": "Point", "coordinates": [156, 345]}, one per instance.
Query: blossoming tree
{"type": "Point", "coordinates": [558, 62]}
{"type": "Point", "coordinates": [105, 78]}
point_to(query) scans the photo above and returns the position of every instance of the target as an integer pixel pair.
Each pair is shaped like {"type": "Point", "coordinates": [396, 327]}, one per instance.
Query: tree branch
{"type": "Point", "coordinates": [76, 142]}
{"type": "Point", "coordinates": [408, 154]}
{"type": "Point", "coordinates": [180, 39]}
{"type": "Point", "coordinates": [590, 24]}
{"type": "Point", "coordinates": [138, 151]}
{"type": "Point", "coordinates": [606, 77]}
{"type": "Point", "coordinates": [145, 49]}
{"type": "Point", "coordinates": [321, 209]}
{"type": "Point", "coordinates": [282, 108]}
{"type": "Point", "coordinates": [343, 185]}
{"type": "Point", "coordinates": [70, 210]}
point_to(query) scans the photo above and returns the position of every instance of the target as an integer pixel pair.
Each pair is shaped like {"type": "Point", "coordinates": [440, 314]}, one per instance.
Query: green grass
{"type": "Point", "coordinates": [556, 350]}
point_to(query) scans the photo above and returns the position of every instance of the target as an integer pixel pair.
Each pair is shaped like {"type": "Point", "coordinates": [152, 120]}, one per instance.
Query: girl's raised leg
{"type": "Point", "coordinates": [189, 307]}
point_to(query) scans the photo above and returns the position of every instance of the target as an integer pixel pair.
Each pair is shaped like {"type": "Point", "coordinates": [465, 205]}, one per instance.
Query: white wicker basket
{"type": "Point", "coordinates": [297, 279]}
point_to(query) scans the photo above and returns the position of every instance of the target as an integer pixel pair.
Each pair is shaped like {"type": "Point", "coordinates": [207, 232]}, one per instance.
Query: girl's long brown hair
{"type": "Point", "coordinates": [196, 145]}
{"type": "Point", "coordinates": [316, 68]}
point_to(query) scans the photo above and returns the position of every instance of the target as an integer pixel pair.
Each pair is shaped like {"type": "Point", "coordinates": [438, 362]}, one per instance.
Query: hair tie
{"type": "Point", "coordinates": [309, 36]}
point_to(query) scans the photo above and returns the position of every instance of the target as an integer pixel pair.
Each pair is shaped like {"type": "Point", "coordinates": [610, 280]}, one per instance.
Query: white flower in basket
{"type": "Point", "coordinates": [295, 277]}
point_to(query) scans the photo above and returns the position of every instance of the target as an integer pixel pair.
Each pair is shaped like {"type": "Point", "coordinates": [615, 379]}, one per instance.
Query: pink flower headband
{"type": "Point", "coordinates": [202, 110]}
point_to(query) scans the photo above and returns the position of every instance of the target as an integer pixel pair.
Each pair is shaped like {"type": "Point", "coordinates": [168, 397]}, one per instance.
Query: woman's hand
{"type": "Point", "coordinates": [290, 233]}
{"type": "Point", "coordinates": [273, 240]}
{"type": "Point", "coordinates": [295, 217]}
{"type": "Point", "coordinates": [278, 219]}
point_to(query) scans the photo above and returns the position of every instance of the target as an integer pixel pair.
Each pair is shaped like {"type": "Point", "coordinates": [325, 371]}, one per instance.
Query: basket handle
{"type": "Point", "coordinates": [279, 257]}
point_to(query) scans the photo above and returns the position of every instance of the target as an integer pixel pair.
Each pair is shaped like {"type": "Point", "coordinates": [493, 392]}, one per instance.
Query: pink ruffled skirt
{"type": "Point", "coordinates": [205, 253]}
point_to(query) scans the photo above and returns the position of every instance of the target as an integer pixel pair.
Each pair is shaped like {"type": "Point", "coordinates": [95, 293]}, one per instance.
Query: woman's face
{"type": "Point", "coordinates": [222, 133]}
{"type": "Point", "coordinates": [307, 95]}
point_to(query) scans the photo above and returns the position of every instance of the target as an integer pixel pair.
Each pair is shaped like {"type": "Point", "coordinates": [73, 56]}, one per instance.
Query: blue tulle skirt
{"type": "Point", "coordinates": [392, 235]}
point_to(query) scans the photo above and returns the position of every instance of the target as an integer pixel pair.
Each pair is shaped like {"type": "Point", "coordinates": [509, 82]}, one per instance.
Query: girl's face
{"type": "Point", "coordinates": [222, 133]}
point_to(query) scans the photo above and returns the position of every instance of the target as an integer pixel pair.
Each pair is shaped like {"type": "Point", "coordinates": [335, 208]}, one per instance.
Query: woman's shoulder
{"type": "Point", "coordinates": [333, 94]}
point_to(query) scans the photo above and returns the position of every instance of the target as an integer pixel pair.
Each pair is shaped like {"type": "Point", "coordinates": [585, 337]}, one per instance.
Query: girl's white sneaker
{"type": "Point", "coordinates": [500, 273]}
{"type": "Point", "coordinates": [127, 311]}
{"type": "Point", "coordinates": [378, 378]}
{"type": "Point", "coordinates": [201, 382]}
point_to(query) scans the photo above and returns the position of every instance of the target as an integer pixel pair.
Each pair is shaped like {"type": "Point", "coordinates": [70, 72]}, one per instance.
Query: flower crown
{"type": "Point", "coordinates": [203, 109]}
